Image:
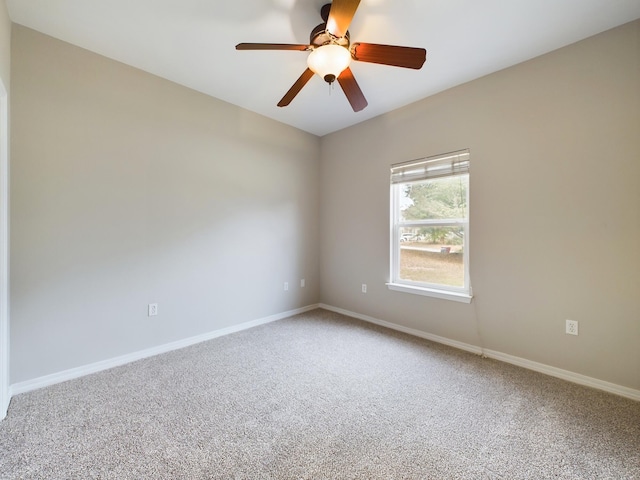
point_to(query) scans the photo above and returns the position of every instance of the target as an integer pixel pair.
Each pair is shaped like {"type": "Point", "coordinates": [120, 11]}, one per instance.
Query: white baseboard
{"type": "Point", "coordinates": [503, 357]}
{"type": "Point", "coordinates": [410, 331]}
{"type": "Point", "coordinates": [565, 374]}
{"type": "Point", "coordinates": [4, 406]}
{"type": "Point", "coordinates": [72, 373]}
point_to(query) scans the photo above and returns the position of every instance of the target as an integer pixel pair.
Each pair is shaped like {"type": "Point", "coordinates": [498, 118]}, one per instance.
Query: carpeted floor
{"type": "Point", "coordinates": [319, 396]}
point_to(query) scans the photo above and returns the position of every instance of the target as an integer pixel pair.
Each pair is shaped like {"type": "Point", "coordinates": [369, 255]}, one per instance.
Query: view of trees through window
{"type": "Point", "coordinates": [434, 213]}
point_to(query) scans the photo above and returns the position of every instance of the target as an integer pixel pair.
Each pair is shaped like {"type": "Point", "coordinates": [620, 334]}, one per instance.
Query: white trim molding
{"type": "Point", "coordinates": [47, 380]}
{"type": "Point", "coordinates": [564, 374]}
{"type": "Point", "coordinates": [503, 357]}
{"type": "Point", "coordinates": [5, 390]}
{"type": "Point", "coordinates": [431, 292]}
{"type": "Point", "coordinates": [40, 382]}
{"type": "Point", "coordinates": [411, 331]}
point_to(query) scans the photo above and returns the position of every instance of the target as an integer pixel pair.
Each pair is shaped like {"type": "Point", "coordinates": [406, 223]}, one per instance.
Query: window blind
{"type": "Point", "coordinates": [445, 165]}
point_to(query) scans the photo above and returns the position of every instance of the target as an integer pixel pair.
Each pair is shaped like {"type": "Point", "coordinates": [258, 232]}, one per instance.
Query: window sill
{"type": "Point", "coordinates": [431, 292]}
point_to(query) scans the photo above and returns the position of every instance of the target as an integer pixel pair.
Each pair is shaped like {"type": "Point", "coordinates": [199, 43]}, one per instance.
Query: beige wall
{"type": "Point", "coordinates": [555, 208]}
{"type": "Point", "coordinates": [127, 189]}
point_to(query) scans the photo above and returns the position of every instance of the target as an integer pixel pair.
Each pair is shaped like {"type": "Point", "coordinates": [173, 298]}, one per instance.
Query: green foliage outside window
{"type": "Point", "coordinates": [437, 199]}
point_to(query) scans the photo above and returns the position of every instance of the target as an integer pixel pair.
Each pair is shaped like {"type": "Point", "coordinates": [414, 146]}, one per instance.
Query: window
{"type": "Point", "coordinates": [430, 226]}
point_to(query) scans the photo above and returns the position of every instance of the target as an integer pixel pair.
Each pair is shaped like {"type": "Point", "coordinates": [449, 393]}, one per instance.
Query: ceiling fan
{"type": "Point", "coordinates": [332, 51]}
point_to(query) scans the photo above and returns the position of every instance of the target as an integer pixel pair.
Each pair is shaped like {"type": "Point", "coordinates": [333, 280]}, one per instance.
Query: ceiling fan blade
{"type": "Point", "coordinates": [407, 57]}
{"type": "Point", "coordinates": [352, 90]}
{"type": "Point", "coordinates": [271, 46]}
{"type": "Point", "coordinates": [340, 16]}
{"type": "Point", "coordinates": [295, 89]}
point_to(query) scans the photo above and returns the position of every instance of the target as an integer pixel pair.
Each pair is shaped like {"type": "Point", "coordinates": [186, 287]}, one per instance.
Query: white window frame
{"type": "Point", "coordinates": [425, 169]}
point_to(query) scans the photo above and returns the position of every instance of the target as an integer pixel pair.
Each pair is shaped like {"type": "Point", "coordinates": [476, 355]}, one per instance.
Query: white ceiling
{"type": "Point", "coordinates": [192, 42]}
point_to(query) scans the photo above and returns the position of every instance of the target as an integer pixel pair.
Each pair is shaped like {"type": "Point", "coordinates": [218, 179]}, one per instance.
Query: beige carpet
{"type": "Point", "coordinates": [319, 396]}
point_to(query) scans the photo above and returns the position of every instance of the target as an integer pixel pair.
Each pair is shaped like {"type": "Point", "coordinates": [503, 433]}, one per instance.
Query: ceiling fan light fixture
{"type": "Point", "coordinates": [329, 61]}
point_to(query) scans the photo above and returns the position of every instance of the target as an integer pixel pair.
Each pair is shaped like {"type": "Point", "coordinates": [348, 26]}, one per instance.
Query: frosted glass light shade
{"type": "Point", "coordinates": [329, 61]}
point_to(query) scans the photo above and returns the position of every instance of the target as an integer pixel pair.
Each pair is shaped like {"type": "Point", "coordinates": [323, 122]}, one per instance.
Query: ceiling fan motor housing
{"type": "Point", "coordinates": [319, 36]}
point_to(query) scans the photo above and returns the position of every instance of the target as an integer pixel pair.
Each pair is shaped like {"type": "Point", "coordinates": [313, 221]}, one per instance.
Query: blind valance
{"type": "Point", "coordinates": [454, 163]}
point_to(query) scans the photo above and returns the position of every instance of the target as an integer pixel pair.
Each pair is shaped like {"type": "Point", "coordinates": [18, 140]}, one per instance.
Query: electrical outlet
{"type": "Point", "coordinates": [302, 283]}
{"type": "Point", "coordinates": [286, 286]}
{"type": "Point", "coordinates": [364, 288]}
{"type": "Point", "coordinates": [153, 309]}
{"type": "Point", "coordinates": [572, 327]}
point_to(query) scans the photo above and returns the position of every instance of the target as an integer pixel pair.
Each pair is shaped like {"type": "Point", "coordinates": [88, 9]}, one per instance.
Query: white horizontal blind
{"type": "Point", "coordinates": [454, 163]}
